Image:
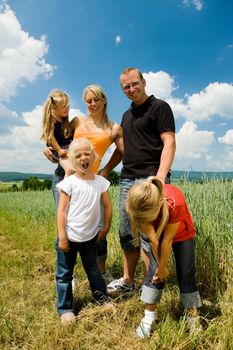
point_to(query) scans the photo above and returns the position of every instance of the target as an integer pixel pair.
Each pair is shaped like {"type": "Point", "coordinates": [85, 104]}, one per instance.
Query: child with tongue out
{"type": "Point", "coordinates": [78, 220]}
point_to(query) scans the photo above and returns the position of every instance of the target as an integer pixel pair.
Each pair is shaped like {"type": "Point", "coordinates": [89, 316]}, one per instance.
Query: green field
{"type": "Point", "coordinates": [27, 275]}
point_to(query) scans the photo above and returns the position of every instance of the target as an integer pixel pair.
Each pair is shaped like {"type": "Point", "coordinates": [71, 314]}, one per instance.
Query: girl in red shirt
{"type": "Point", "coordinates": [161, 213]}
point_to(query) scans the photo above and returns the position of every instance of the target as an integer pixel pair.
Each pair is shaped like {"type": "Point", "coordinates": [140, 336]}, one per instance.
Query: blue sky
{"type": "Point", "coordinates": [183, 47]}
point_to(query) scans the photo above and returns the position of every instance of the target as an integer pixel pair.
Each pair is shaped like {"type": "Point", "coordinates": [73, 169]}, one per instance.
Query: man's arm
{"type": "Point", "coordinates": [113, 162]}
{"type": "Point", "coordinates": [167, 156]}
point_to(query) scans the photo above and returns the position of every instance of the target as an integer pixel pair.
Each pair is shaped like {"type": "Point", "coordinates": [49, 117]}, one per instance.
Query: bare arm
{"type": "Point", "coordinates": [118, 137]}
{"type": "Point", "coordinates": [107, 215]}
{"type": "Point", "coordinates": [149, 232]}
{"type": "Point", "coordinates": [49, 154]}
{"type": "Point", "coordinates": [167, 156]}
{"type": "Point", "coordinates": [61, 221]}
{"type": "Point", "coordinates": [61, 152]}
{"type": "Point", "coordinates": [162, 272]}
{"type": "Point", "coordinates": [74, 123]}
{"type": "Point", "coordinates": [113, 162]}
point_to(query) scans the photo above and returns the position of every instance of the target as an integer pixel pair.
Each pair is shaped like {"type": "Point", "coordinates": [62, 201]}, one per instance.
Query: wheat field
{"type": "Point", "coordinates": [28, 318]}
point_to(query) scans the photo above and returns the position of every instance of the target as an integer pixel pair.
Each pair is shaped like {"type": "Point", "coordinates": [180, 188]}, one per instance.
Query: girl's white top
{"type": "Point", "coordinates": [84, 212]}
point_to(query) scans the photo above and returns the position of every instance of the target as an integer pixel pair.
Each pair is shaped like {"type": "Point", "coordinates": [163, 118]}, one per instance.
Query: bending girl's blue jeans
{"type": "Point", "coordinates": [65, 268]}
{"type": "Point", "coordinates": [185, 269]}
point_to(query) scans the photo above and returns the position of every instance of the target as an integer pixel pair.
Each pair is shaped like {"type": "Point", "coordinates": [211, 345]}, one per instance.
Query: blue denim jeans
{"type": "Point", "coordinates": [185, 269]}
{"type": "Point", "coordinates": [125, 233]}
{"type": "Point", "coordinates": [64, 272]}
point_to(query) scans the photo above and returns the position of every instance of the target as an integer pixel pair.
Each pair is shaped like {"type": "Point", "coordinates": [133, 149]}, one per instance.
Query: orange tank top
{"type": "Point", "coordinates": [100, 141]}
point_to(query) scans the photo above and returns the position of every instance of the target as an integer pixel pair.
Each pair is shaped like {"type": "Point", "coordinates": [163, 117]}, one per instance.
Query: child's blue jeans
{"type": "Point", "coordinates": [185, 269]}
{"type": "Point", "coordinates": [64, 272]}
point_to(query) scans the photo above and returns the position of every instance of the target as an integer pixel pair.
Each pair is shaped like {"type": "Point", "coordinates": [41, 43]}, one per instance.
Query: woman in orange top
{"type": "Point", "coordinates": [101, 132]}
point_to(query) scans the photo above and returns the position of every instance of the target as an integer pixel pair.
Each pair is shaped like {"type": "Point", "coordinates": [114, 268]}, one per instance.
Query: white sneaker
{"type": "Point", "coordinates": [120, 286]}
{"type": "Point", "coordinates": [144, 329]}
{"type": "Point", "coordinates": [67, 319]}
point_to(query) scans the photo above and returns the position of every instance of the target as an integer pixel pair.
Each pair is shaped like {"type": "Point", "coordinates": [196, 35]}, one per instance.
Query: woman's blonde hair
{"type": "Point", "coordinates": [72, 151]}
{"type": "Point", "coordinates": [55, 99]}
{"type": "Point", "coordinates": [99, 93]}
{"type": "Point", "coordinates": [145, 201]}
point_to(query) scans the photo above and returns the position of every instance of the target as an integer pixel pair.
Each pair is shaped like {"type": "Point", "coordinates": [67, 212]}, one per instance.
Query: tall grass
{"type": "Point", "coordinates": [28, 318]}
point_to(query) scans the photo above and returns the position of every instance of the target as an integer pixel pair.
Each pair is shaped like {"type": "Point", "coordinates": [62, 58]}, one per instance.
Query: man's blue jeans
{"type": "Point", "coordinates": [64, 272]}
{"type": "Point", "coordinates": [125, 233]}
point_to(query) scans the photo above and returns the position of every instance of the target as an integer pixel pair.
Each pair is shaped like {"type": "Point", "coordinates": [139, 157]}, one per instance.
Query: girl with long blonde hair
{"type": "Point", "coordinates": [57, 130]}
{"type": "Point", "coordinates": [161, 213]}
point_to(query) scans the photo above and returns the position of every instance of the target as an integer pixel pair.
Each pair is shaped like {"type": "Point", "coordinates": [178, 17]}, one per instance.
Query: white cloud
{"type": "Point", "coordinates": [215, 99]}
{"type": "Point", "coordinates": [22, 149]}
{"type": "Point", "coordinates": [227, 139]}
{"type": "Point", "coordinates": [8, 119]}
{"type": "Point", "coordinates": [21, 56]}
{"type": "Point", "coordinates": [197, 3]}
{"type": "Point", "coordinates": [117, 39]}
{"type": "Point", "coordinates": [160, 84]}
{"type": "Point", "coordinates": [223, 162]}
{"type": "Point", "coordinates": [192, 143]}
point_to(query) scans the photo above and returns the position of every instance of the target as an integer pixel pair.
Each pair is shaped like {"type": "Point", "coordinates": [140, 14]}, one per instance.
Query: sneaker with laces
{"type": "Point", "coordinates": [144, 329]}
{"type": "Point", "coordinates": [101, 298]}
{"type": "Point", "coordinates": [68, 319]}
{"type": "Point", "coordinates": [107, 277]}
{"type": "Point", "coordinates": [120, 286]}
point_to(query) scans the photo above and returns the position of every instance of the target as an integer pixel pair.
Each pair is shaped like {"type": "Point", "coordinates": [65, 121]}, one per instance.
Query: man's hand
{"type": "Point", "coordinates": [49, 154]}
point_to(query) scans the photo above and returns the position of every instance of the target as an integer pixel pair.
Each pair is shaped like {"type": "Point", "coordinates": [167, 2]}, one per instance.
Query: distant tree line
{"type": "Point", "coordinates": [34, 184]}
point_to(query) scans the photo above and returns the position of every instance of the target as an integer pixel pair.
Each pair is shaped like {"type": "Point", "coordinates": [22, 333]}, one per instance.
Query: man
{"type": "Point", "coordinates": [149, 148]}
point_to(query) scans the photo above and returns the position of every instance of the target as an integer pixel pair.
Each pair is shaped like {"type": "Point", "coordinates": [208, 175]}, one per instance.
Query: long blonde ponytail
{"type": "Point", "coordinates": [55, 98]}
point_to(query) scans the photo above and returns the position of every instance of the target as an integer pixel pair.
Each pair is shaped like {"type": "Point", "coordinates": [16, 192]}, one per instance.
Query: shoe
{"type": "Point", "coordinates": [67, 319]}
{"type": "Point", "coordinates": [107, 277]}
{"type": "Point", "coordinates": [120, 286]}
{"type": "Point", "coordinates": [101, 298]}
{"type": "Point", "coordinates": [194, 325]}
{"type": "Point", "coordinates": [144, 329]}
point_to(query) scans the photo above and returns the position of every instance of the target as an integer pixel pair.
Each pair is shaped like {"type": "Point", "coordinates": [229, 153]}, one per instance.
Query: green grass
{"type": "Point", "coordinates": [28, 318]}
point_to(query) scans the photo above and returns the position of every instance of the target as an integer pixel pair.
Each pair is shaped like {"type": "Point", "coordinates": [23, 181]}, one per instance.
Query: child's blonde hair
{"type": "Point", "coordinates": [99, 93]}
{"type": "Point", "coordinates": [55, 99]}
{"type": "Point", "coordinates": [145, 201]}
{"type": "Point", "coordinates": [72, 151]}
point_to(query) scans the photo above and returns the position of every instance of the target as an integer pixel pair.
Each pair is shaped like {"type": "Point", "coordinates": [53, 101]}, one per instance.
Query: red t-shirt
{"type": "Point", "coordinates": [178, 212]}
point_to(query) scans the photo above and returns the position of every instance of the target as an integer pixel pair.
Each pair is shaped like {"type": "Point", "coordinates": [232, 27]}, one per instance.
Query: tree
{"type": "Point", "coordinates": [114, 178]}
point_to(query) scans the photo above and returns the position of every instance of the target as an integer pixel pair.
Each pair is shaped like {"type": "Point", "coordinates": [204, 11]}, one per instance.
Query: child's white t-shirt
{"type": "Point", "coordinates": [84, 213]}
